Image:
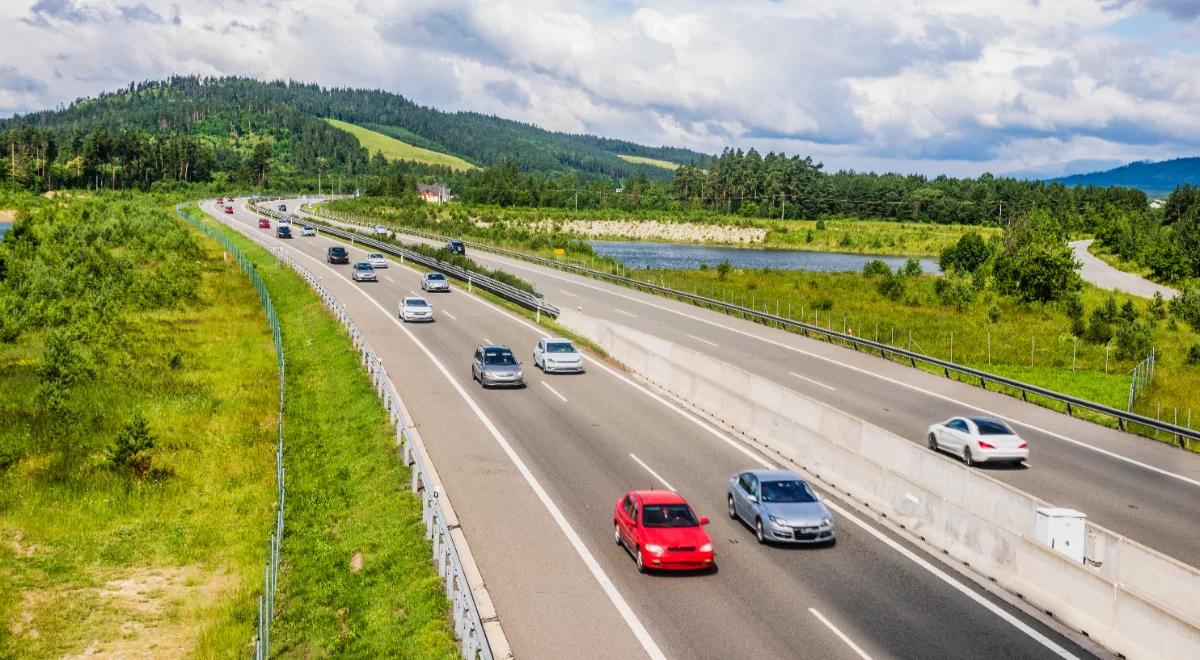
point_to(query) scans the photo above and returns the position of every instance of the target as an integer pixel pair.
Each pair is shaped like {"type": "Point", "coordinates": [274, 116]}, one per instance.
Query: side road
{"type": "Point", "coordinates": [1096, 271]}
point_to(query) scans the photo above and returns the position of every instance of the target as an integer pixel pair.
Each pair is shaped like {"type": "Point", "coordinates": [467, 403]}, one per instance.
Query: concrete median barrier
{"type": "Point", "coordinates": [1127, 597]}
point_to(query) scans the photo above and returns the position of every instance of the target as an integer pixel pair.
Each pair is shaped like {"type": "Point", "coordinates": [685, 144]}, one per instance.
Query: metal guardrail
{"type": "Point", "coordinates": [266, 600]}
{"type": "Point", "coordinates": [468, 625]}
{"type": "Point", "coordinates": [531, 301]}
{"type": "Point", "coordinates": [1123, 417]}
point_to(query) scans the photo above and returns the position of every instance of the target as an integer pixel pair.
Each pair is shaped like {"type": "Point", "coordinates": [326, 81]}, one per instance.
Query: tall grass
{"type": "Point", "coordinates": [394, 149]}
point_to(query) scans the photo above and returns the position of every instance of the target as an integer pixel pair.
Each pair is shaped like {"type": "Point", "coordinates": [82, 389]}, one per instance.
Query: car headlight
{"type": "Point", "coordinates": [707, 547]}
{"type": "Point", "coordinates": [520, 374]}
{"type": "Point", "coordinates": [827, 521]}
{"type": "Point", "coordinates": [653, 549]}
{"type": "Point", "coordinates": [779, 521]}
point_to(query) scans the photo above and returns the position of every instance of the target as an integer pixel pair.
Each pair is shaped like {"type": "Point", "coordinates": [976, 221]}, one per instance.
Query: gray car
{"type": "Point", "coordinates": [496, 366]}
{"type": "Point", "coordinates": [780, 506]}
{"type": "Point", "coordinates": [435, 282]}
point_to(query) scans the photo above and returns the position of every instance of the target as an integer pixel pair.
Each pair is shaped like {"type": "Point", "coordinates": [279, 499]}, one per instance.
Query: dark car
{"type": "Point", "coordinates": [283, 231]}
{"type": "Point", "coordinates": [338, 255]}
{"type": "Point", "coordinates": [282, 208]}
{"type": "Point", "coordinates": [456, 247]}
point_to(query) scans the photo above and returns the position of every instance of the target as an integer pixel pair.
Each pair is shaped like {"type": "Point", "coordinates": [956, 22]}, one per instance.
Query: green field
{"type": "Point", "coordinates": [642, 160]}
{"type": "Point", "coordinates": [394, 149]}
{"type": "Point", "coordinates": [881, 237]}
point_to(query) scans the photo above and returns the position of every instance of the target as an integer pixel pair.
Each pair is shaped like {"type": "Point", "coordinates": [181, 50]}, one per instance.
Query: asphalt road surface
{"type": "Point", "coordinates": [1106, 277]}
{"type": "Point", "coordinates": [533, 475]}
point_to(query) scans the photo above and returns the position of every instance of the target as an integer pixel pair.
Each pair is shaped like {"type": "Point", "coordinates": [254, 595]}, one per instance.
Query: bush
{"type": "Point", "coordinates": [824, 304]}
{"type": "Point", "coordinates": [1134, 340]}
{"type": "Point", "coordinates": [1193, 355]}
{"type": "Point", "coordinates": [966, 255]}
{"type": "Point", "coordinates": [1187, 307]}
{"type": "Point", "coordinates": [808, 238]}
{"type": "Point", "coordinates": [1099, 329]}
{"type": "Point", "coordinates": [1157, 307]}
{"type": "Point", "coordinates": [1073, 306]}
{"type": "Point", "coordinates": [130, 452]}
{"type": "Point", "coordinates": [912, 267]}
{"type": "Point", "coordinates": [955, 291]}
{"type": "Point", "coordinates": [994, 313]}
{"type": "Point", "coordinates": [820, 224]}
{"type": "Point", "coordinates": [891, 286]}
{"type": "Point", "coordinates": [846, 240]}
{"type": "Point", "coordinates": [876, 267]}
{"type": "Point", "coordinates": [1078, 327]}
{"type": "Point", "coordinates": [723, 269]}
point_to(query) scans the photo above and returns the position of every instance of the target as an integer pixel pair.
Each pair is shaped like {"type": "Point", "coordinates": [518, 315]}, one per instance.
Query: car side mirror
{"type": "Point", "coordinates": [704, 520]}
{"type": "Point", "coordinates": [754, 499]}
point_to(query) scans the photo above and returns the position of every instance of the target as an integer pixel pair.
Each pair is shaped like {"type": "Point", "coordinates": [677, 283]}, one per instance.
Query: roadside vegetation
{"type": "Point", "coordinates": [357, 579]}
{"type": "Point", "coordinates": [136, 433]}
{"type": "Point", "coordinates": [394, 149]}
{"type": "Point", "coordinates": [1162, 244]}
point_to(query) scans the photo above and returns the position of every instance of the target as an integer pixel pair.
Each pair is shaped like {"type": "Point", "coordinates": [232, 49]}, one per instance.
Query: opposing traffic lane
{"type": "Point", "coordinates": [601, 441]}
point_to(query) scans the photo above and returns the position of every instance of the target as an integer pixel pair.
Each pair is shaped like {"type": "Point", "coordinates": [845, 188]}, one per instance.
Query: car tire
{"type": "Point", "coordinates": [732, 509]}
{"type": "Point", "coordinates": [637, 557]}
{"type": "Point", "coordinates": [617, 535]}
{"type": "Point", "coordinates": [933, 443]}
{"type": "Point", "coordinates": [967, 460]}
{"type": "Point", "coordinates": [758, 532]}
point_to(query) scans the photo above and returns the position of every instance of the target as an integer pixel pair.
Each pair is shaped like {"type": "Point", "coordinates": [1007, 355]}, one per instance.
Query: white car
{"type": "Point", "coordinates": [308, 230]}
{"type": "Point", "coordinates": [380, 230]}
{"type": "Point", "coordinates": [285, 221]}
{"type": "Point", "coordinates": [413, 308]}
{"type": "Point", "coordinates": [978, 440]}
{"type": "Point", "coordinates": [377, 260]}
{"type": "Point", "coordinates": [435, 282]}
{"type": "Point", "coordinates": [557, 354]}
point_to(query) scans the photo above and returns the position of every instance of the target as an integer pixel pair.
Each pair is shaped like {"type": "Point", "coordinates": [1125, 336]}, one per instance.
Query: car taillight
{"type": "Point", "coordinates": [1023, 445]}
{"type": "Point", "coordinates": [986, 445]}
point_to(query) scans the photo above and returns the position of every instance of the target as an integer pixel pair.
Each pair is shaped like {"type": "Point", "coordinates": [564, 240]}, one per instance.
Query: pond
{"type": "Point", "coordinates": [689, 257]}
{"type": "Point", "coordinates": [4, 227]}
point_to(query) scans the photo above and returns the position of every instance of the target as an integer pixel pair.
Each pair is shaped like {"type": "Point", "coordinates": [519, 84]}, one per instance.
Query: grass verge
{"type": "Point", "coordinates": [357, 579]}
{"type": "Point", "coordinates": [95, 562]}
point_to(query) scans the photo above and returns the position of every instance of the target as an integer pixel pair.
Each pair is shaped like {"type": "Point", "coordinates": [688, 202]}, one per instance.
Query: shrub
{"type": "Point", "coordinates": [703, 266]}
{"type": "Point", "coordinates": [876, 267]}
{"type": "Point", "coordinates": [891, 286]}
{"type": "Point", "coordinates": [1134, 339]}
{"type": "Point", "coordinates": [1187, 307]}
{"type": "Point", "coordinates": [994, 313]}
{"type": "Point", "coordinates": [1193, 355]}
{"type": "Point", "coordinates": [808, 238]}
{"type": "Point", "coordinates": [955, 291]}
{"type": "Point", "coordinates": [1099, 329]}
{"type": "Point", "coordinates": [846, 240]}
{"type": "Point", "coordinates": [1073, 306]}
{"type": "Point", "coordinates": [723, 269]}
{"type": "Point", "coordinates": [966, 255]}
{"type": "Point", "coordinates": [824, 304]}
{"type": "Point", "coordinates": [820, 224]}
{"type": "Point", "coordinates": [130, 451]}
{"type": "Point", "coordinates": [912, 267]}
{"type": "Point", "coordinates": [1078, 327]}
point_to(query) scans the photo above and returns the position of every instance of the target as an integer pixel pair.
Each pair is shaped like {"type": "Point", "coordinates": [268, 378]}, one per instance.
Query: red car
{"type": "Point", "coordinates": [263, 223]}
{"type": "Point", "coordinates": [229, 210]}
{"type": "Point", "coordinates": [220, 200]}
{"type": "Point", "coordinates": [661, 531]}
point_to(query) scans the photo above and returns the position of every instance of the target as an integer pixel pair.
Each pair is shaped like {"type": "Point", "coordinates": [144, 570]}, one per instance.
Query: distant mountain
{"type": "Point", "coordinates": [1154, 178]}
{"type": "Point", "coordinates": [1066, 168]}
{"type": "Point", "coordinates": [228, 115]}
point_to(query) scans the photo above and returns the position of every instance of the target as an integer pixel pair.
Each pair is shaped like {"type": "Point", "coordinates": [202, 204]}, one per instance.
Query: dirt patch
{"type": "Point", "coordinates": [140, 613]}
{"type": "Point", "coordinates": [356, 562]}
{"type": "Point", "coordinates": [7, 216]}
{"type": "Point", "coordinates": [650, 230]}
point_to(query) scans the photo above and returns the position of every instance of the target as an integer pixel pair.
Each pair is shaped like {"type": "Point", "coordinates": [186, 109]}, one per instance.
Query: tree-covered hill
{"type": "Point", "coordinates": [194, 128]}
{"type": "Point", "coordinates": [1153, 177]}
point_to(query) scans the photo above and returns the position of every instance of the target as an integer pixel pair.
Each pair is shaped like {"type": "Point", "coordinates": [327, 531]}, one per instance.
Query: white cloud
{"type": "Point", "coordinates": [927, 85]}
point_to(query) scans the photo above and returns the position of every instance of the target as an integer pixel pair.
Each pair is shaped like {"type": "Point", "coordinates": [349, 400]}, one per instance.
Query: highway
{"type": "Point", "coordinates": [1145, 490]}
{"type": "Point", "coordinates": [533, 475]}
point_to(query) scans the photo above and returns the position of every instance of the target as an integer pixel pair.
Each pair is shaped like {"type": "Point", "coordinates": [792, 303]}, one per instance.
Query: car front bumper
{"type": "Point", "coordinates": [437, 287]}
{"type": "Point", "coordinates": [799, 533]}
{"type": "Point", "coordinates": [562, 367]}
{"type": "Point", "coordinates": [679, 561]}
{"type": "Point", "coordinates": [424, 316]}
{"type": "Point", "coordinates": [493, 381]}
{"type": "Point", "coordinates": [365, 278]}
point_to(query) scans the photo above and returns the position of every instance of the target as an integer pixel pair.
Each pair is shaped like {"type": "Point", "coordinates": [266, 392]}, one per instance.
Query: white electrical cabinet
{"type": "Point", "coordinates": [1062, 530]}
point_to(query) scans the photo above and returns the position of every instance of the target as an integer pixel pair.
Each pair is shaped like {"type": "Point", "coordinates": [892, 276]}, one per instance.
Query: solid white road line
{"type": "Point", "coordinates": [453, 317]}
{"type": "Point", "coordinates": [703, 341]}
{"type": "Point", "coordinates": [814, 382]}
{"type": "Point", "coordinates": [867, 372]}
{"type": "Point", "coordinates": [606, 584]}
{"type": "Point", "coordinates": [621, 311]}
{"type": "Point", "coordinates": [842, 511]}
{"type": "Point", "coordinates": [414, 293]}
{"type": "Point", "coordinates": [854, 647]}
{"type": "Point", "coordinates": [564, 399]}
{"type": "Point", "coordinates": [653, 473]}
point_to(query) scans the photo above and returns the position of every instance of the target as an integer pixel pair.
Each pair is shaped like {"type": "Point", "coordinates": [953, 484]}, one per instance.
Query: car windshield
{"type": "Point", "coordinates": [415, 302]}
{"type": "Point", "coordinates": [363, 266]}
{"type": "Point", "coordinates": [374, 255]}
{"type": "Point", "coordinates": [560, 347]}
{"type": "Point", "coordinates": [337, 251]}
{"type": "Point", "coordinates": [435, 276]}
{"type": "Point", "coordinates": [787, 491]}
{"type": "Point", "coordinates": [668, 515]}
{"type": "Point", "coordinates": [990, 426]}
{"type": "Point", "coordinates": [498, 356]}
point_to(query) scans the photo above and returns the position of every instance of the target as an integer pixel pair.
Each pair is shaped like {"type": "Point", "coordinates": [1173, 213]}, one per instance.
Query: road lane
{"type": "Point", "coordinates": [758, 599]}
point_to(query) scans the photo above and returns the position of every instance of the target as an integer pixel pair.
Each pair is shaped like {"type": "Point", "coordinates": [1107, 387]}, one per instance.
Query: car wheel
{"type": "Point", "coordinates": [933, 443]}
{"type": "Point", "coordinates": [617, 534]}
{"type": "Point", "coordinates": [732, 509]}
{"type": "Point", "coordinates": [967, 457]}
{"type": "Point", "coordinates": [641, 564]}
{"type": "Point", "coordinates": [758, 531]}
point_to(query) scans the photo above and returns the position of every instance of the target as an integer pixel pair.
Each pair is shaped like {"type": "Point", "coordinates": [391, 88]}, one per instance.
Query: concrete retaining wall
{"type": "Point", "coordinates": [1137, 602]}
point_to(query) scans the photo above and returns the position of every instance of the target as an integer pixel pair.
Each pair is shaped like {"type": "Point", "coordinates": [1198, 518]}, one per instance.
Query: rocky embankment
{"type": "Point", "coordinates": [646, 230]}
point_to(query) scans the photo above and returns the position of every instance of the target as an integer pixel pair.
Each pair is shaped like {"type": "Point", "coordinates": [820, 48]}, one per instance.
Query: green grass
{"type": "Point", "coordinates": [347, 493]}
{"type": "Point", "coordinates": [642, 160]}
{"type": "Point", "coordinates": [880, 237]}
{"type": "Point", "coordinates": [394, 149]}
{"type": "Point", "coordinates": [77, 546]}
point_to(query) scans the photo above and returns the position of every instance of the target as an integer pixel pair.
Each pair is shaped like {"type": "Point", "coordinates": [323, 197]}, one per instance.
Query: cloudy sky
{"type": "Point", "coordinates": [928, 86]}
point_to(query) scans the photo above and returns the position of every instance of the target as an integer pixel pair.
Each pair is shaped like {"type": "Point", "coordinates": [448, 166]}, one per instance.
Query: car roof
{"type": "Point", "coordinates": [557, 339]}
{"type": "Point", "coordinates": [438, 274]}
{"type": "Point", "coordinates": [408, 298]}
{"type": "Point", "coordinates": [775, 475]}
{"type": "Point", "coordinates": [495, 347]}
{"type": "Point", "coordinates": [659, 497]}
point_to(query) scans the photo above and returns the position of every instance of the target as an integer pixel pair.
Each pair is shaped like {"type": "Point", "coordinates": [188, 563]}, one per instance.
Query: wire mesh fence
{"type": "Point", "coordinates": [266, 600]}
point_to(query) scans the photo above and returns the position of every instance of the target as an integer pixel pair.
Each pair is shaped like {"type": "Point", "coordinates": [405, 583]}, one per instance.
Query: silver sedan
{"type": "Point", "coordinates": [780, 506]}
